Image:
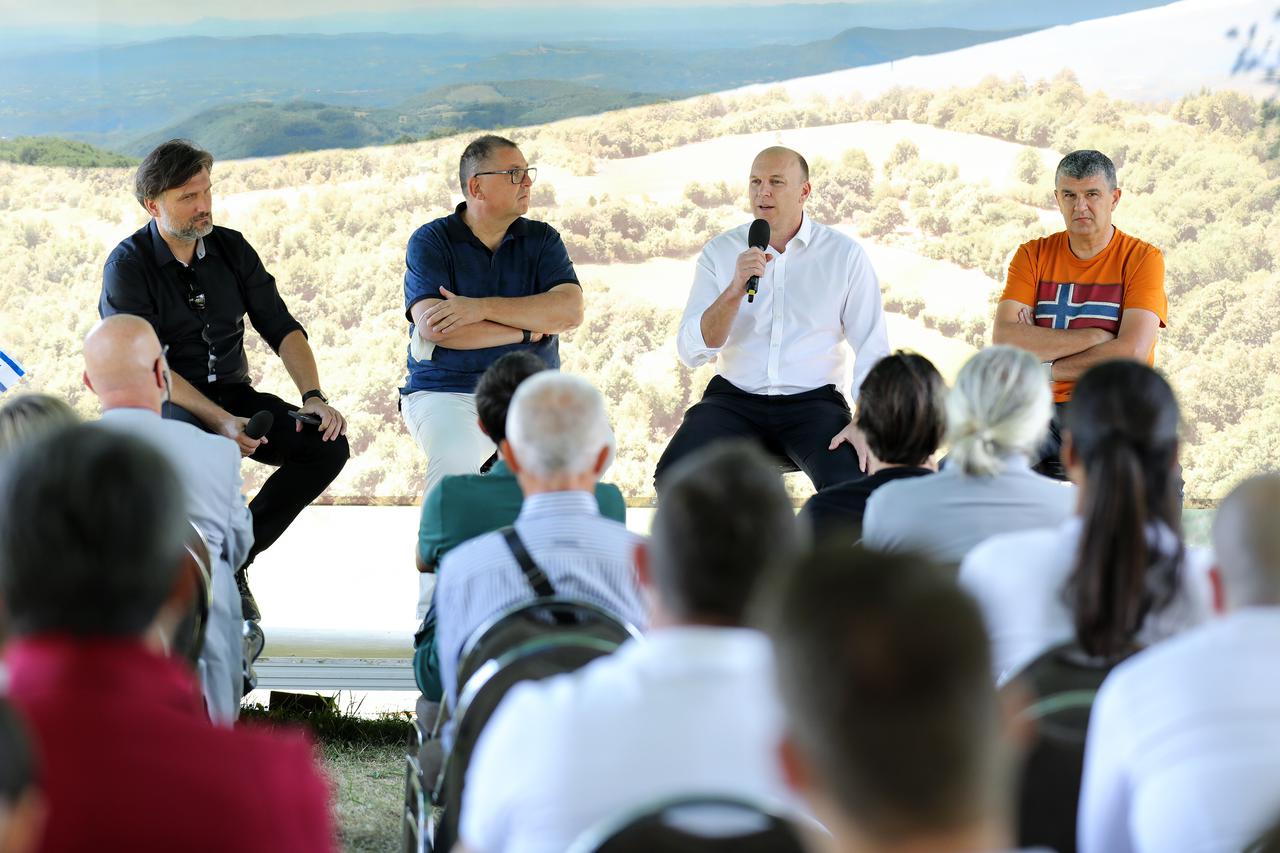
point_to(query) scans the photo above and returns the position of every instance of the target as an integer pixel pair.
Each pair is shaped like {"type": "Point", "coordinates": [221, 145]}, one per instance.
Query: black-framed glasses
{"type": "Point", "coordinates": [517, 175]}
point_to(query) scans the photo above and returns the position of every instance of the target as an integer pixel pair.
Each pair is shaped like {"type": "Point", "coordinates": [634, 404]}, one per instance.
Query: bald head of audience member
{"type": "Point", "coordinates": [893, 732]}
{"type": "Point", "coordinates": [29, 415]}
{"type": "Point", "coordinates": [125, 365]}
{"type": "Point", "coordinates": [1246, 542]}
{"type": "Point", "coordinates": [22, 808]}
{"type": "Point", "coordinates": [558, 435]}
{"type": "Point", "coordinates": [724, 522]}
{"type": "Point", "coordinates": [92, 525]}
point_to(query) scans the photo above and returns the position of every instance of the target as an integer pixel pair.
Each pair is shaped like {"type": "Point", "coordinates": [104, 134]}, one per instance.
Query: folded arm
{"type": "Point", "coordinates": [1015, 327]}
{"type": "Point", "coordinates": [558, 310]}
{"type": "Point", "coordinates": [472, 336]}
{"type": "Point", "coordinates": [1136, 337]}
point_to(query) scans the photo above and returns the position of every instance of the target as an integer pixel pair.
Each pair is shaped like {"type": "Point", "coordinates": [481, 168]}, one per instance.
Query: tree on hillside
{"type": "Point", "coordinates": [1027, 167]}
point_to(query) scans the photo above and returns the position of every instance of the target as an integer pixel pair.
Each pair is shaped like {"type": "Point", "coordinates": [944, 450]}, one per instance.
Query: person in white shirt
{"type": "Point", "coordinates": [689, 710]}
{"type": "Point", "coordinates": [1115, 577]}
{"type": "Point", "coordinates": [1183, 751]}
{"type": "Point", "coordinates": [781, 359]}
{"type": "Point", "coordinates": [126, 368]}
{"type": "Point", "coordinates": [997, 415]}
{"type": "Point", "coordinates": [895, 735]}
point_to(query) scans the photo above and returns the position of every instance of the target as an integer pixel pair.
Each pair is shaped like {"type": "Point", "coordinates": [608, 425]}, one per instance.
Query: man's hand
{"type": "Point", "coordinates": [856, 440]}
{"type": "Point", "coordinates": [332, 423]}
{"type": "Point", "coordinates": [751, 262]}
{"type": "Point", "coordinates": [233, 428]}
{"type": "Point", "coordinates": [453, 312]}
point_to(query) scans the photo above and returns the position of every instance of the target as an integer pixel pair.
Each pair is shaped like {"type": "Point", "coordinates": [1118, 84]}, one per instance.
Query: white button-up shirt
{"type": "Point", "coordinates": [821, 290]}
{"type": "Point", "coordinates": [1184, 743]}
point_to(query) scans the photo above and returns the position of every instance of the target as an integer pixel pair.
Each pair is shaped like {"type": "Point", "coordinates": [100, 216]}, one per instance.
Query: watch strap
{"type": "Point", "coordinates": [314, 392]}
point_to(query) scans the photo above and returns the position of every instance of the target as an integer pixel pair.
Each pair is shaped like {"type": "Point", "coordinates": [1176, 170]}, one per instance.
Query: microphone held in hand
{"type": "Point", "coordinates": [259, 424]}
{"type": "Point", "coordinates": [757, 238]}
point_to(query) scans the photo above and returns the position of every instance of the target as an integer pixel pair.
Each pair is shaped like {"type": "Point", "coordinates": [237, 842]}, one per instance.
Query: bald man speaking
{"type": "Point", "coordinates": [782, 357]}
{"type": "Point", "coordinates": [125, 366]}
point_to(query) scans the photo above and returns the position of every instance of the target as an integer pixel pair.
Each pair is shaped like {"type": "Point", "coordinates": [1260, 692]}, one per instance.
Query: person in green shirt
{"type": "Point", "coordinates": [463, 506]}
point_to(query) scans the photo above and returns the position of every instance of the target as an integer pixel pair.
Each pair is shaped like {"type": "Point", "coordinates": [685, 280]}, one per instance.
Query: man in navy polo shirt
{"type": "Point", "coordinates": [480, 282]}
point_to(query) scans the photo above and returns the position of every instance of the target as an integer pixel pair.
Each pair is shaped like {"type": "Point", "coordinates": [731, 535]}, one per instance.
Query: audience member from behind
{"type": "Point", "coordinates": [28, 415]}
{"type": "Point", "coordinates": [893, 725]}
{"type": "Point", "coordinates": [22, 808]}
{"type": "Point", "coordinates": [92, 525]}
{"type": "Point", "coordinates": [902, 414]}
{"type": "Point", "coordinates": [1116, 576]}
{"type": "Point", "coordinates": [463, 506]}
{"type": "Point", "coordinates": [688, 710]}
{"type": "Point", "coordinates": [1184, 740]}
{"type": "Point", "coordinates": [126, 368]}
{"type": "Point", "coordinates": [558, 444]}
{"type": "Point", "coordinates": [997, 414]}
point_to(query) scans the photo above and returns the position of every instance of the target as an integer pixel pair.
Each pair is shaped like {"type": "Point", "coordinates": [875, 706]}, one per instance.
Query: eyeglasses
{"type": "Point", "coordinates": [517, 175]}
{"type": "Point", "coordinates": [196, 299]}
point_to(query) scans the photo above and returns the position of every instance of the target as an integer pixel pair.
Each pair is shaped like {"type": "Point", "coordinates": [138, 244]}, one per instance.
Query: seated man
{"type": "Point", "coordinates": [463, 506]}
{"type": "Point", "coordinates": [92, 525]}
{"type": "Point", "coordinates": [1184, 740]}
{"type": "Point", "coordinates": [902, 414]}
{"type": "Point", "coordinates": [195, 282]}
{"type": "Point", "coordinates": [893, 725]}
{"type": "Point", "coordinates": [126, 368]}
{"type": "Point", "coordinates": [688, 710]}
{"type": "Point", "coordinates": [782, 358]}
{"type": "Point", "coordinates": [558, 444]}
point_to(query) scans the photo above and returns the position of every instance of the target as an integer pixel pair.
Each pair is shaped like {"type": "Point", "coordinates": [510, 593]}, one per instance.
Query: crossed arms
{"type": "Point", "coordinates": [1073, 351]}
{"type": "Point", "coordinates": [465, 322]}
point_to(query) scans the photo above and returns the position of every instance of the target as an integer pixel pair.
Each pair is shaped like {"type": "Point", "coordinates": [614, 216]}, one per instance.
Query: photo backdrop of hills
{"type": "Point", "coordinates": [245, 91]}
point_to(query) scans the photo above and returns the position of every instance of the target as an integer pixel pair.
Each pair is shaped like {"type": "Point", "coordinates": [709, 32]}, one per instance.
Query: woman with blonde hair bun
{"type": "Point", "coordinates": [997, 414]}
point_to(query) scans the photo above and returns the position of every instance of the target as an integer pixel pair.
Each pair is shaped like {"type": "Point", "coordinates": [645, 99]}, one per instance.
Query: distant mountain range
{"type": "Point", "coordinates": [274, 94]}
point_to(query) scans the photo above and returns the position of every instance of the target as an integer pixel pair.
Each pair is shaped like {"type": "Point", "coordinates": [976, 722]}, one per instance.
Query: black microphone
{"type": "Point", "coordinates": [259, 424]}
{"type": "Point", "coordinates": [757, 238]}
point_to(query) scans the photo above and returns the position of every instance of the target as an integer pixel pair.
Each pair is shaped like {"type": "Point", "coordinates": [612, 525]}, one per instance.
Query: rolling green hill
{"type": "Point", "coordinates": [51, 151]}
{"type": "Point", "coordinates": [262, 129]}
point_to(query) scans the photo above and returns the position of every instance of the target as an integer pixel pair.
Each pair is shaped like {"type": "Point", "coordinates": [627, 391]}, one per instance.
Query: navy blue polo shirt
{"type": "Point", "coordinates": [531, 259]}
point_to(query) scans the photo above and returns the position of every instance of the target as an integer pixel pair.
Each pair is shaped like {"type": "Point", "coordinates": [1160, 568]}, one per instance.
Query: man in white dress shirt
{"type": "Point", "coordinates": [689, 710]}
{"type": "Point", "coordinates": [126, 368]}
{"type": "Point", "coordinates": [1184, 740]}
{"type": "Point", "coordinates": [781, 359]}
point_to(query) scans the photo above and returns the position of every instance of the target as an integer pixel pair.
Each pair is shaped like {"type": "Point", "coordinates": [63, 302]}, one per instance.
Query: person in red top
{"type": "Point", "coordinates": [1085, 295]}
{"type": "Point", "coordinates": [91, 533]}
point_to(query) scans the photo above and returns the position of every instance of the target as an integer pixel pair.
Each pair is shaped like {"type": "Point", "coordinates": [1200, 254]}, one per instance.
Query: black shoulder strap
{"type": "Point", "coordinates": [536, 577]}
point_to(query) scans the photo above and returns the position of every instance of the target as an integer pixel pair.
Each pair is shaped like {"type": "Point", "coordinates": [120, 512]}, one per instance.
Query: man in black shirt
{"type": "Point", "coordinates": [194, 282]}
{"type": "Point", "coordinates": [902, 415]}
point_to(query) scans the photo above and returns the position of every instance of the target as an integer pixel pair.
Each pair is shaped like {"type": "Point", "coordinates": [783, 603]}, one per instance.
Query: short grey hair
{"type": "Point", "coordinates": [1086, 163]}
{"type": "Point", "coordinates": [1246, 542]}
{"type": "Point", "coordinates": [1000, 406]}
{"type": "Point", "coordinates": [557, 424]}
{"type": "Point", "coordinates": [28, 416]}
{"type": "Point", "coordinates": [476, 153]}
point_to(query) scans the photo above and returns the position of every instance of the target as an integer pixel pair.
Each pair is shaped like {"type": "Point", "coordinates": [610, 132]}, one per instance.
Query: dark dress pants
{"type": "Point", "coordinates": [306, 464]}
{"type": "Point", "coordinates": [796, 428]}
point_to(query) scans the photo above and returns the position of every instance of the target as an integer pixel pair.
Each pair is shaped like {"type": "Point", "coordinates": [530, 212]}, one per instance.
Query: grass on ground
{"type": "Point", "coordinates": [365, 761]}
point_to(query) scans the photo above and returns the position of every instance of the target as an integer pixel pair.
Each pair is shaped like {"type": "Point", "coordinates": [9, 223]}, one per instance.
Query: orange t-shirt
{"type": "Point", "coordinates": [1064, 292]}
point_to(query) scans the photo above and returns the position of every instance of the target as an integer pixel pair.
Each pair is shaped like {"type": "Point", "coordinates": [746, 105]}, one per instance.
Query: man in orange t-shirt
{"type": "Point", "coordinates": [1085, 295]}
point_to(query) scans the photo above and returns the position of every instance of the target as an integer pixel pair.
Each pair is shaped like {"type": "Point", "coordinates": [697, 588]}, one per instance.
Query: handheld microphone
{"type": "Point", "coordinates": [259, 424]}
{"type": "Point", "coordinates": [757, 238]}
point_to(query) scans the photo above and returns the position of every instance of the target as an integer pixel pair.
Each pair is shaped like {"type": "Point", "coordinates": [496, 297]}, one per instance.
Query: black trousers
{"type": "Point", "coordinates": [306, 464]}
{"type": "Point", "coordinates": [796, 428]}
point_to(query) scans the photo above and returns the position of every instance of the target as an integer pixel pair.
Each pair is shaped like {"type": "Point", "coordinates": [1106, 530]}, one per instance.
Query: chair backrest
{"type": "Point", "coordinates": [1063, 682]}
{"type": "Point", "coordinates": [534, 618]}
{"type": "Point", "coordinates": [700, 824]}
{"type": "Point", "coordinates": [417, 815]}
{"type": "Point", "coordinates": [552, 652]}
{"type": "Point", "coordinates": [188, 640]}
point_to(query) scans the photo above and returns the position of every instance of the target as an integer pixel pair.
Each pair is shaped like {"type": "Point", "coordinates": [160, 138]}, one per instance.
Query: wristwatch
{"type": "Point", "coordinates": [526, 337]}
{"type": "Point", "coordinates": [314, 392]}
{"type": "Point", "coordinates": [1048, 369]}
